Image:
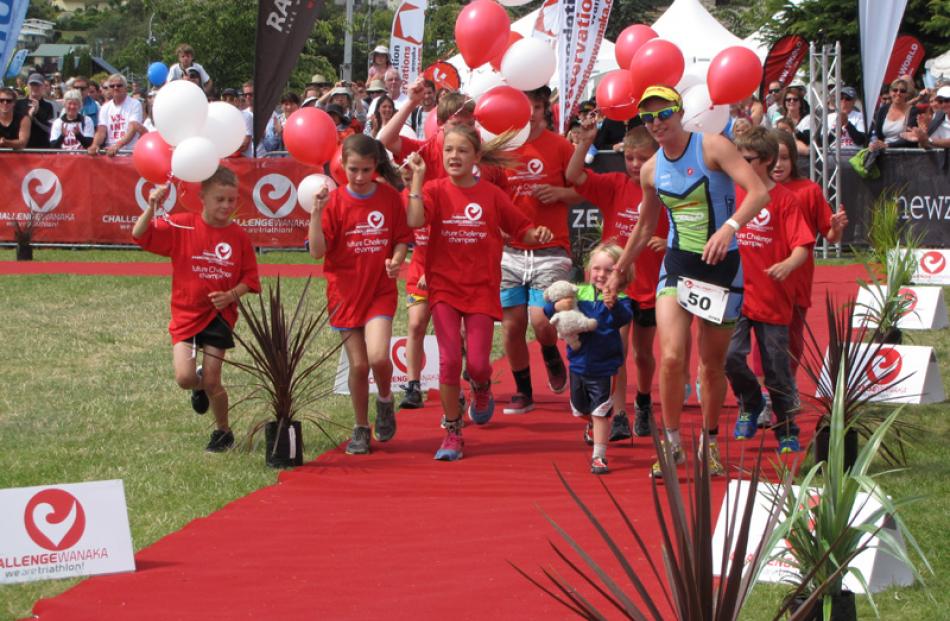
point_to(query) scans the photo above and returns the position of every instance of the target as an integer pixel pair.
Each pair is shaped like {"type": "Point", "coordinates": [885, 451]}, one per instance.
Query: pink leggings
{"type": "Point", "coordinates": [478, 336]}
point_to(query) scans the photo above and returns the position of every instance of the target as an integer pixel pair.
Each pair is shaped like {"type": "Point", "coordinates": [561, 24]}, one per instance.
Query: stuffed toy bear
{"type": "Point", "coordinates": [568, 321]}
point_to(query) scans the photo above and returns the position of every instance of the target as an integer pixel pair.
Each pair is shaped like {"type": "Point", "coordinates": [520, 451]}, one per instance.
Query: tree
{"type": "Point", "coordinates": [827, 21]}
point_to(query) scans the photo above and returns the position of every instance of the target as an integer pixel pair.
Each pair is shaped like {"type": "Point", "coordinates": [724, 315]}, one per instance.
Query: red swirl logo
{"type": "Point", "coordinates": [911, 299]}
{"type": "Point", "coordinates": [399, 355]}
{"type": "Point", "coordinates": [885, 366]}
{"type": "Point", "coordinates": [54, 519]}
{"type": "Point", "coordinates": [933, 262]}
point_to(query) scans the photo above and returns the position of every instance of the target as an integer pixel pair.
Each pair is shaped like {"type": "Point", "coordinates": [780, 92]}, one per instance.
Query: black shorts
{"type": "Point", "coordinates": [592, 396]}
{"type": "Point", "coordinates": [216, 334]}
{"type": "Point", "coordinates": [643, 317]}
{"type": "Point", "coordinates": [727, 273]}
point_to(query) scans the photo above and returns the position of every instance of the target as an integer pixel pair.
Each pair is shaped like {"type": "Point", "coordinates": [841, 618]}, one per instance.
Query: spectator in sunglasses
{"type": "Point", "coordinates": [774, 96]}
{"type": "Point", "coordinates": [891, 118]}
{"type": "Point", "coordinates": [933, 131]}
{"type": "Point", "coordinates": [14, 126]}
{"type": "Point", "coordinates": [795, 108]}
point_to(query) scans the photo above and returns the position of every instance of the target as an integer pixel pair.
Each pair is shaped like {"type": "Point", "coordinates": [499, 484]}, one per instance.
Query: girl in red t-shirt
{"type": "Point", "coordinates": [617, 195]}
{"type": "Point", "coordinates": [819, 217]}
{"type": "Point", "coordinates": [466, 217]}
{"type": "Point", "coordinates": [360, 231]}
{"type": "Point", "coordinates": [213, 265]}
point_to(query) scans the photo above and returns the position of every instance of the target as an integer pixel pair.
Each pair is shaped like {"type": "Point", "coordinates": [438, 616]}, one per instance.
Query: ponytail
{"type": "Point", "coordinates": [491, 153]}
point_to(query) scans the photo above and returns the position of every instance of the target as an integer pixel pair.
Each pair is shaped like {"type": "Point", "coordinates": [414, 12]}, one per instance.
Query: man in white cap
{"type": "Point", "coordinates": [938, 138]}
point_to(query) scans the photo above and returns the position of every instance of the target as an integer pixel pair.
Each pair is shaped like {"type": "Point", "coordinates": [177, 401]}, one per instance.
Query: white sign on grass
{"type": "Point", "coordinates": [397, 355]}
{"type": "Point", "coordinates": [880, 569]}
{"type": "Point", "coordinates": [59, 531]}
{"type": "Point", "coordinates": [933, 267]}
{"type": "Point", "coordinates": [926, 308]}
{"type": "Point", "coordinates": [893, 362]}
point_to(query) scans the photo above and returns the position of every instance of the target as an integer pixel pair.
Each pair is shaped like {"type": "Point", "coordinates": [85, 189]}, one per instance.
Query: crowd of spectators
{"type": "Point", "coordinates": [46, 112]}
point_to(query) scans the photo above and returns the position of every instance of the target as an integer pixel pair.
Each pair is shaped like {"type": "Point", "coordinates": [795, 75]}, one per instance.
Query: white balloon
{"type": "Point", "coordinates": [516, 141]}
{"type": "Point", "coordinates": [528, 64]}
{"type": "Point", "coordinates": [699, 113]}
{"type": "Point", "coordinates": [224, 127]}
{"type": "Point", "coordinates": [179, 111]}
{"type": "Point", "coordinates": [513, 2]}
{"type": "Point", "coordinates": [194, 159]}
{"type": "Point", "coordinates": [694, 74]}
{"type": "Point", "coordinates": [309, 188]}
{"type": "Point", "coordinates": [483, 81]}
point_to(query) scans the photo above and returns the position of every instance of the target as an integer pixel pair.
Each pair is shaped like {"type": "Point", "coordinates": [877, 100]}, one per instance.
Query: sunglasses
{"type": "Point", "coordinates": [775, 90]}
{"type": "Point", "coordinates": [788, 99]}
{"type": "Point", "coordinates": [248, 94]}
{"type": "Point", "coordinates": [663, 115]}
{"type": "Point", "coordinates": [898, 90]}
{"type": "Point", "coordinates": [117, 86]}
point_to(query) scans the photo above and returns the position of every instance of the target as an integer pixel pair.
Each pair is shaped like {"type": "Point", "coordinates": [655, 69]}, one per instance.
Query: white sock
{"type": "Point", "coordinates": [385, 399]}
{"type": "Point", "coordinates": [600, 450]}
{"type": "Point", "coordinates": [673, 437]}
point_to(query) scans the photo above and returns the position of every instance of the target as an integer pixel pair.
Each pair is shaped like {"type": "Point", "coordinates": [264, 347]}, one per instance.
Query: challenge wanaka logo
{"type": "Point", "coordinates": [473, 211]}
{"type": "Point", "coordinates": [933, 262]}
{"type": "Point", "coordinates": [399, 356]}
{"type": "Point", "coordinates": [144, 187]}
{"type": "Point", "coordinates": [274, 195]}
{"type": "Point", "coordinates": [763, 219]}
{"type": "Point", "coordinates": [223, 251]}
{"type": "Point", "coordinates": [376, 220]}
{"type": "Point", "coordinates": [54, 519]}
{"type": "Point", "coordinates": [885, 366]}
{"type": "Point", "coordinates": [42, 190]}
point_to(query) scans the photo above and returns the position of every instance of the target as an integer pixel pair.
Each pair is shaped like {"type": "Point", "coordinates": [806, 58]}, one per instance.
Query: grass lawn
{"type": "Point", "coordinates": [88, 394]}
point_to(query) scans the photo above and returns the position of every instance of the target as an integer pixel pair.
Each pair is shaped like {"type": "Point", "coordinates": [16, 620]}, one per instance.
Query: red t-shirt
{"type": "Point", "coordinates": [430, 150]}
{"type": "Point", "coordinates": [618, 198]}
{"type": "Point", "coordinates": [204, 259]}
{"type": "Point", "coordinates": [542, 162]}
{"type": "Point", "coordinates": [417, 265]}
{"type": "Point", "coordinates": [463, 260]}
{"type": "Point", "coordinates": [764, 241]}
{"type": "Point", "coordinates": [817, 213]}
{"type": "Point", "coordinates": [361, 233]}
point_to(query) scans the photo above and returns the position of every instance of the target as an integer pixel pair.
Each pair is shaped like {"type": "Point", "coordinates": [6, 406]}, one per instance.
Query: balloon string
{"type": "Point", "coordinates": [168, 220]}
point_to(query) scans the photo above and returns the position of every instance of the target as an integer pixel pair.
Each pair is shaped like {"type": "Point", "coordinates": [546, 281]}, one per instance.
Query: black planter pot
{"type": "Point", "coordinates": [24, 251]}
{"type": "Point", "coordinates": [842, 607]}
{"type": "Point", "coordinates": [284, 448]}
{"type": "Point", "coordinates": [893, 336]}
{"type": "Point", "coordinates": [822, 440]}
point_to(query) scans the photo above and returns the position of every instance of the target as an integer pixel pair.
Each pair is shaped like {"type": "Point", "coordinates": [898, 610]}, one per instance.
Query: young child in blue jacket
{"type": "Point", "coordinates": [594, 365]}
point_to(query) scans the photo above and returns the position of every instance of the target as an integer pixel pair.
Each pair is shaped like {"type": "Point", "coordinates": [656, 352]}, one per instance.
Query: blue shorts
{"type": "Point", "coordinates": [525, 274]}
{"type": "Point", "coordinates": [592, 396]}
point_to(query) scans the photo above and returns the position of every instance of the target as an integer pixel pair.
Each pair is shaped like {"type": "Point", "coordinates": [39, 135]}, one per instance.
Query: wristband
{"type": "Point", "coordinates": [416, 196]}
{"type": "Point", "coordinates": [733, 224]}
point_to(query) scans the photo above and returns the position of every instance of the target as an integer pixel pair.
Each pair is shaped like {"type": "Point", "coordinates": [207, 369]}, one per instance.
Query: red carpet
{"type": "Point", "coordinates": [396, 535]}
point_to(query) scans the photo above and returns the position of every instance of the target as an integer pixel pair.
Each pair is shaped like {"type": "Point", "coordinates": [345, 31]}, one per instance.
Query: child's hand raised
{"type": "Point", "coordinates": [157, 195]}
{"type": "Point", "coordinates": [416, 91]}
{"type": "Point", "coordinates": [320, 200]}
{"type": "Point", "coordinates": [392, 268]}
{"type": "Point", "coordinates": [416, 164]}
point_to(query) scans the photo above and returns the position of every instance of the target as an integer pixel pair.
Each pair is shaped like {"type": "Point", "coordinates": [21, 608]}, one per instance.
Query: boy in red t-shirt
{"type": "Point", "coordinates": [771, 247]}
{"type": "Point", "coordinates": [213, 265]}
{"type": "Point", "coordinates": [617, 195]}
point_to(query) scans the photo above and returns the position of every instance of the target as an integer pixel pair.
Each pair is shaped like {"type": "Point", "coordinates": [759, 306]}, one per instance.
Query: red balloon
{"type": "Point", "coordinates": [336, 167]}
{"type": "Point", "coordinates": [503, 108]}
{"type": "Point", "coordinates": [615, 95]}
{"type": "Point", "coordinates": [189, 195]}
{"type": "Point", "coordinates": [481, 32]}
{"type": "Point", "coordinates": [630, 40]}
{"type": "Point", "coordinates": [733, 75]}
{"type": "Point", "coordinates": [496, 61]}
{"type": "Point", "coordinates": [658, 61]}
{"type": "Point", "coordinates": [152, 158]}
{"type": "Point", "coordinates": [310, 136]}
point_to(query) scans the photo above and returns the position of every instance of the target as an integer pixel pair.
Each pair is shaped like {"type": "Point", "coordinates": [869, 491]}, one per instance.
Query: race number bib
{"type": "Point", "coordinates": [702, 299]}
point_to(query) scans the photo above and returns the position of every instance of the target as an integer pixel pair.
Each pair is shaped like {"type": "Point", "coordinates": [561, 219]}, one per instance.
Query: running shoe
{"type": "Point", "coordinates": [745, 426]}
{"type": "Point", "coordinates": [520, 404]}
{"type": "Point", "coordinates": [412, 399]}
{"type": "Point", "coordinates": [789, 444]}
{"type": "Point", "coordinates": [220, 441]}
{"type": "Point", "coordinates": [451, 449]}
{"type": "Point", "coordinates": [483, 404]}
{"type": "Point", "coordinates": [642, 416]}
{"type": "Point", "coordinates": [589, 434]}
{"type": "Point", "coordinates": [199, 398]}
{"type": "Point", "coordinates": [557, 375]}
{"type": "Point", "coordinates": [385, 427]}
{"type": "Point", "coordinates": [765, 416]}
{"type": "Point", "coordinates": [620, 427]}
{"type": "Point", "coordinates": [359, 443]}
{"type": "Point", "coordinates": [678, 456]}
{"type": "Point", "coordinates": [598, 465]}
{"type": "Point", "coordinates": [716, 469]}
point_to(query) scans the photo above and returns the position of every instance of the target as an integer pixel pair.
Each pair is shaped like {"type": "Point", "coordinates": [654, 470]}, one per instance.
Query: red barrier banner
{"type": "Point", "coordinates": [96, 200]}
{"type": "Point", "coordinates": [783, 61]}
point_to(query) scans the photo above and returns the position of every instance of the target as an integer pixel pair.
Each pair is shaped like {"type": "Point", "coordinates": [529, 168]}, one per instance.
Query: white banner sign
{"type": "Point", "coordinates": [926, 309]}
{"type": "Point", "coordinates": [405, 43]}
{"type": "Point", "coordinates": [59, 531]}
{"type": "Point", "coordinates": [880, 569]}
{"type": "Point", "coordinates": [397, 355]}
{"type": "Point", "coordinates": [893, 362]}
{"type": "Point", "coordinates": [581, 27]}
{"type": "Point", "coordinates": [933, 267]}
